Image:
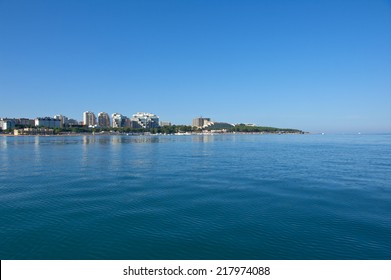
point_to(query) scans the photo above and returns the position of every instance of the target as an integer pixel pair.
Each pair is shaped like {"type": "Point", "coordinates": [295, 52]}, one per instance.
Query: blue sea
{"type": "Point", "coordinates": [196, 197]}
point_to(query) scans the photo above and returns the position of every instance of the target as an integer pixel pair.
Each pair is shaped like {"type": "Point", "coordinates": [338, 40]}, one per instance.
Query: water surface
{"type": "Point", "coordinates": [196, 197]}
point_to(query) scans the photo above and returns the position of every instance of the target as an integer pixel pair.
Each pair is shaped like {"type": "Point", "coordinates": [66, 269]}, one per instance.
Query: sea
{"type": "Point", "coordinates": [199, 197]}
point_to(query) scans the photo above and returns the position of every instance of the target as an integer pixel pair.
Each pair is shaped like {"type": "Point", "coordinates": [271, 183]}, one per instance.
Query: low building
{"type": "Point", "coordinates": [47, 122]}
{"type": "Point", "coordinates": [34, 131]}
{"type": "Point", "coordinates": [24, 122]}
{"type": "Point", "coordinates": [165, 123]}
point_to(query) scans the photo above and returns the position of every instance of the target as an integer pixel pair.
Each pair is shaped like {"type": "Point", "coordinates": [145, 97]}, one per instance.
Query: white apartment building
{"type": "Point", "coordinates": [119, 120]}
{"type": "Point", "coordinates": [7, 124]}
{"type": "Point", "coordinates": [47, 122]}
{"type": "Point", "coordinates": [145, 120]}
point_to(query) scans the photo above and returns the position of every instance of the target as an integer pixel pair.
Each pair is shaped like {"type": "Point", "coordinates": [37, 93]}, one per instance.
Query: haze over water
{"type": "Point", "coordinates": [196, 197]}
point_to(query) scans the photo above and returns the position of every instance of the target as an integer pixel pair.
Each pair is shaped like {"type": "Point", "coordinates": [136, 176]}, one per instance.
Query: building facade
{"type": "Point", "coordinates": [89, 118]}
{"type": "Point", "coordinates": [103, 119]}
{"type": "Point", "coordinates": [201, 122]}
{"type": "Point", "coordinates": [63, 120]}
{"type": "Point", "coordinates": [34, 131]}
{"type": "Point", "coordinates": [145, 120]}
{"type": "Point", "coordinates": [165, 123]}
{"type": "Point", "coordinates": [119, 120]}
{"type": "Point", "coordinates": [73, 122]}
{"type": "Point", "coordinates": [47, 122]}
{"type": "Point", "coordinates": [7, 124]}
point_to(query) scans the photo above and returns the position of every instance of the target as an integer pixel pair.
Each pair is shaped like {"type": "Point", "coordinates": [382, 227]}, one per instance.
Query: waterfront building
{"type": "Point", "coordinates": [23, 122]}
{"type": "Point", "coordinates": [119, 120]}
{"type": "Point", "coordinates": [201, 122]}
{"type": "Point", "coordinates": [72, 122]}
{"type": "Point", "coordinates": [7, 123]}
{"type": "Point", "coordinates": [34, 131]}
{"type": "Point", "coordinates": [134, 124]}
{"type": "Point", "coordinates": [103, 119]}
{"type": "Point", "coordinates": [165, 123]}
{"type": "Point", "coordinates": [89, 118]}
{"type": "Point", "coordinates": [63, 120]}
{"type": "Point", "coordinates": [145, 120]}
{"type": "Point", "coordinates": [47, 122]}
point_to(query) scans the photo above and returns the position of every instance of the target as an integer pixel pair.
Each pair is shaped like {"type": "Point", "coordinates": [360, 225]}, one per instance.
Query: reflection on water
{"type": "Point", "coordinates": [123, 139]}
{"type": "Point", "coordinates": [203, 138]}
{"type": "Point", "coordinates": [91, 139]}
{"type": "Point", "coordinates": [112, 139]}
{"type": "Point", "coordinates": [37, 151]}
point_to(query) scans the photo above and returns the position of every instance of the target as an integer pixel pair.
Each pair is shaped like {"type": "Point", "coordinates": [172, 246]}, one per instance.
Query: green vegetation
{"type": "Point", "coordinates": [262, 129]}
{"type": "Point", "coordinates": [172, 129]}
{"type": "Point", "coordinates": [158, 130]}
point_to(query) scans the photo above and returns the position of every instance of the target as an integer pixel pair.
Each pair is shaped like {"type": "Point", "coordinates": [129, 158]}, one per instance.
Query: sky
{"type": "Point", "coordinates": [319, 66]}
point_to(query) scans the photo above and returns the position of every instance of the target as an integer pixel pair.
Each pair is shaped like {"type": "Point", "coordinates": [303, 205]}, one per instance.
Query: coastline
{"type": "Point", "coordinates": [155, 134]}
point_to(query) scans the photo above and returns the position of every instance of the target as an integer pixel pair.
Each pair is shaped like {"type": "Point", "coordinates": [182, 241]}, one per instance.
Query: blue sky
{"type": "Point", "coordinates": [320, 66]}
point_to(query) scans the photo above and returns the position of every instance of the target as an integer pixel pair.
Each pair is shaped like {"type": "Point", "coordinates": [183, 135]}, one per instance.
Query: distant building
{"type": "Point", "coordinates": [24, 122]}
{"type": "Point", "coordinates": [72, 122]}
{"type": "Point", "coordinates": [103, 119]}
{"type": "Point", "coordinates": [134, 124]}
{"type": "Point", "coordinates": [7, 123]}
{"type": "Point", "coordinates": [89, 118]}
{"type": "Point", "coordinates": [145, 120]}
{"type": "Point", "coordinates": [119, 120]}
{"type": "Point", "coordinates": [201, 122]}
{"type": "Point", "coordinates": [63, 120]}
{"type": "Point", "coordinates": [163, 123]}
{"type": "Point", "coordinates": [16, 123]}
{"type": "Point", "coordinates": [47, 122]}
{"type": "Point", "coordinates": [34, 131]}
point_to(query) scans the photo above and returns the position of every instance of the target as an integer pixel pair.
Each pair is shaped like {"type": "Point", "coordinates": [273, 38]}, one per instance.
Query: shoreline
{"type": "Point", "coordinates": [156, 134]}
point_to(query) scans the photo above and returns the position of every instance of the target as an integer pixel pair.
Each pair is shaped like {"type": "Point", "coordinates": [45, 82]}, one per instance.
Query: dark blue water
{"type": "Point", "coordinates": [196, 197]}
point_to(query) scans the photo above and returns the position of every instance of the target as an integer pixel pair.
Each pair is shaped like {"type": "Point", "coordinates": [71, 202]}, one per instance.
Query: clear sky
{"type": "Point", "coordinates": [319, 66]}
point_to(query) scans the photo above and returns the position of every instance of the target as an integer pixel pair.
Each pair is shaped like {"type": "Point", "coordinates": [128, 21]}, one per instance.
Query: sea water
{"type": "Point", "coordinates": [196, 197]}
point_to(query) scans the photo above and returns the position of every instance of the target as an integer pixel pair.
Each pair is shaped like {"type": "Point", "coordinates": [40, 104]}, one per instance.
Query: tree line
{"type": "Point", "coordinates": [171, 129]}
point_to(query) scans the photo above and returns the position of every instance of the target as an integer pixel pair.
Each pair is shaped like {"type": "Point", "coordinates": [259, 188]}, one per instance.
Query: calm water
{"type": "Point", "coordinates": [196, 197]}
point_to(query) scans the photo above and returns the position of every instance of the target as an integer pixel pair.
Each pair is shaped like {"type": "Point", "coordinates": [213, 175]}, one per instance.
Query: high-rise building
{"type": "Point", "coordinates": [145, 120]}
{"type": "Point", "coordinates": [103, 119]}
{"type": "Point", "coordinates": [200, 122]}
{"type": "Point", "coordinates": [89, 118]}
{"type": "Point", "coordinates": [119, 120]}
